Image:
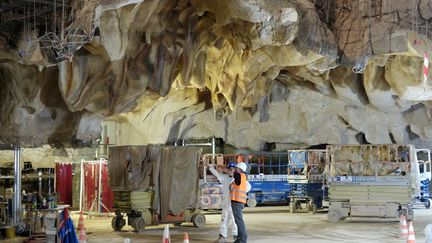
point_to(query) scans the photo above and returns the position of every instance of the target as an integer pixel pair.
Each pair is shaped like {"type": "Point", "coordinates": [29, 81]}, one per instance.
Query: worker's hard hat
{"type": "Point", "coordinates": [242, 166]}
{"type": "Point", "coordinates": [232, 164]}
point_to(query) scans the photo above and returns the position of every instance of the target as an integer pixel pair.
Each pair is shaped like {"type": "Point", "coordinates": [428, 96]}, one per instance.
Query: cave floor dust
{"type": "Point", "coordinates": [269, 224]}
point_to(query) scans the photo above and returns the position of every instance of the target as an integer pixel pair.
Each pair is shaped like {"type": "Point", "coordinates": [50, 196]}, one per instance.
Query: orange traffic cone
{"type": "Point", "coordinates": [185, 238]}
{"type": "Point", "coordinates": [411, 235]}
{"type": "Point", "coordinates": [82, 234]}
{"type": "Point", "coordinates": [81, 220]}
{"type": "Point", "coordinates": [403, 228]}
{"type": "Point", "coordinates": [166, 235]}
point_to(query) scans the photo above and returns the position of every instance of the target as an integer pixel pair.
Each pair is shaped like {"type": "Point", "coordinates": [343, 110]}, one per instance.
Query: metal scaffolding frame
{"type": "Point", "coordinates": [97, 203]}
{"type": "Point", "coordinates": [16, 206]}
{"type": "Point", "coordinates": [59, 42]}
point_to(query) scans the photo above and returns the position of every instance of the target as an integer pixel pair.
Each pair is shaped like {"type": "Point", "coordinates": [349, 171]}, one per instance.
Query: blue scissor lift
{"type": "Point", "coordinates": [268, 178]}
{"type": "Point", "coordinates": [267, 174]}
{"type": "Point", "coordinates": [306, 178]}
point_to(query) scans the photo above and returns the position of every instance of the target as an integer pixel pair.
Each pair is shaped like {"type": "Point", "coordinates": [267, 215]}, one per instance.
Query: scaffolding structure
{"type": "Point", "coordinates": [97, 204]}
{"type": "Point", "coordinates": [53, 28]}
{"type": "Point", "coordinates": [60, 49]}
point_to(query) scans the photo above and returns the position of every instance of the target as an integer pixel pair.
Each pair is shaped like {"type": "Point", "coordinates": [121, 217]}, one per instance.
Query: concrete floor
{"type": "Point", "coordinates": [269, 224]}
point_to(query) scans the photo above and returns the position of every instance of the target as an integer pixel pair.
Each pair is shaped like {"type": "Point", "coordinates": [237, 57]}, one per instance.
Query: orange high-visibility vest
{"type": "Point", "coordinates": [238, 193]}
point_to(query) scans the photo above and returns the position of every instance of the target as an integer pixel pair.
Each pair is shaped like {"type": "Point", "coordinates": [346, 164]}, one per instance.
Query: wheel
{"type": "Point", "coordinates": [427, 203]}
{"type": "Point", "coordinates": [138, 224]}
{"type": "Point", "coordinates": [205, 201]}
{"type": "Point", "coordinates": [117, 223]}
{"type": "Point", "coordinates": [131, 221]}
{"type": "Point", "coordinates": [313, 207]}
{"type": "Point", "coordinates": [333, 216]}
{"type": "Point", "coordinates": [251, 202]}
{"type": "Point", "coordinates": [403, 212]}
{"type": "Point", "coordinates": [216, 201]}
{"type": "Point", "coordinates": [198, 220]}
{"type": "Point", "coordinates": [410, 215]}
{"type": "Point", "coordinates": [292, 206]}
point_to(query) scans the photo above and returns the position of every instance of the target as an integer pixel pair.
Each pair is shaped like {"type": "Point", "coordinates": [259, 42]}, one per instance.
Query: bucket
{"type": "Point", "coordinates": [10, 232]}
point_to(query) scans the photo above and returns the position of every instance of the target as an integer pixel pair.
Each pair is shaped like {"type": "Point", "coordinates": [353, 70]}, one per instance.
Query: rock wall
{"type": "Point", "coordinates": [46, 156]}
{"type": "Point", "coordinates": [297, 73]}
{"type": "Point", "coordinates": [292, 117]}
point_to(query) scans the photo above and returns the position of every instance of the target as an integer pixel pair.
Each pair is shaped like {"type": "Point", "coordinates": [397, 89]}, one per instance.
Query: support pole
{"type": "Point", "coordinates": [81, 184]}
{"type": "Point", "coordinates": [49, 185]}
{"type": "Point", "coordinates": [54, 182]}
{"type": "Point", "coordinates": [105, 140]}
{"type": "Point", "coordinates": [100, 187]}
{"type": "Point", "coordinates": [40, 182]}
{"type": "Point", "coordinates": [17, 186]}
{"type": "Point", "coordinates": [213, 144]}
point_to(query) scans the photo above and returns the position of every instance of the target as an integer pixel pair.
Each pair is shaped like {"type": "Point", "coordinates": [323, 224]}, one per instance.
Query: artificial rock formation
{"type": "Point", "coordinates": [45, 156]}
{"type": "Point", "coordinates": [293, 72]}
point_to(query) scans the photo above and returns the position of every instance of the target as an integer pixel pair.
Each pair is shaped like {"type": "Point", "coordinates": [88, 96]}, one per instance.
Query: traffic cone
{"type": "Point", "coordinates": [81, 220]}
{"type": "Point", "coordinates": [166, 235]}
{"type": "Point", "coordinates": [185, 238]}
{"type": "Point", "coordinates": [82, 234]}
{"type": "Point", "coordinates": [403, 228]}
{"type": "Point", "coordinates": [411, 235]}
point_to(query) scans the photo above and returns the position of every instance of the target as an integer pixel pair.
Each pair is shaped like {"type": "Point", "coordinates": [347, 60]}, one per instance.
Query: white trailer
{"type": "Point", "coordinates": [371, 181]}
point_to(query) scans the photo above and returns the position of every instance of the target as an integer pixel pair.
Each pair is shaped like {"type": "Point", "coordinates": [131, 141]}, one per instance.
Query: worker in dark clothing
{"type": "Point", "coordinates": [239, 189]}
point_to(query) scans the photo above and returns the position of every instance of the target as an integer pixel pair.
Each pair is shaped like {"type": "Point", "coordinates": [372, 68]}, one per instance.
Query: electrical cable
{"type": "Point", "coordinates": [34, 15]}
{"type": "Point", "coordinates": [55, 16]}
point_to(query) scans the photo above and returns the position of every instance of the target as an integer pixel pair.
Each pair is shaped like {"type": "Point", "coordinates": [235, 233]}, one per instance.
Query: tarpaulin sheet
{"type": "Point", "coordinates": [64, 182]}
{"type": "Point", "coordinates": [131, 167]}
{"type": "Point", "coordinates": [107, 193]}
{"type": "Point", "coordinates": [91, 183]}
{"type": "Point", "coordinates": [170, 172]}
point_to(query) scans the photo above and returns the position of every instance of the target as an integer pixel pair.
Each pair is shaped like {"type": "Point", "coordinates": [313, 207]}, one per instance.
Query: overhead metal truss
{"type": "Point", "coordinates": [45, 25]}
{"type": "Point", "coordinates": [15, 12]}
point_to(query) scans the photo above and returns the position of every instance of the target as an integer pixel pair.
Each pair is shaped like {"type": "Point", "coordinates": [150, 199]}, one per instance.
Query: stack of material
{"type": "Point", "coordinates": [369, 160]}
{"type": "Point", "coordinates": [171, 173]}
{"type": "Point", "coordinates": [141, 200]}
{"type": "Point", "coordinates": [138, 200]}
{"type": "Point", "coordinates": [310, 190]}
{"type": "Point", "coordinates": [122, 200]}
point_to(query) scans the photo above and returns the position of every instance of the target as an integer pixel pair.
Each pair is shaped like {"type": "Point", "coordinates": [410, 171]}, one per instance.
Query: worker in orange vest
{"type": "Point", "coordinates": [227, 216]}
{"type": "Point", "coordinates": [239, 188]}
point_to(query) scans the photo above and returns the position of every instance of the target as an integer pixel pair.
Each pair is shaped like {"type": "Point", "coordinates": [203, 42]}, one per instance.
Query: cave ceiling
{"type": "Point", "coordinates": [293, 72]}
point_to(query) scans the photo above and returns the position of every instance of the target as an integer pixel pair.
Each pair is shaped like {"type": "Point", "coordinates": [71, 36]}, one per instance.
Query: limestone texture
{"type": "Point", "coordinates": [296, 73]}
